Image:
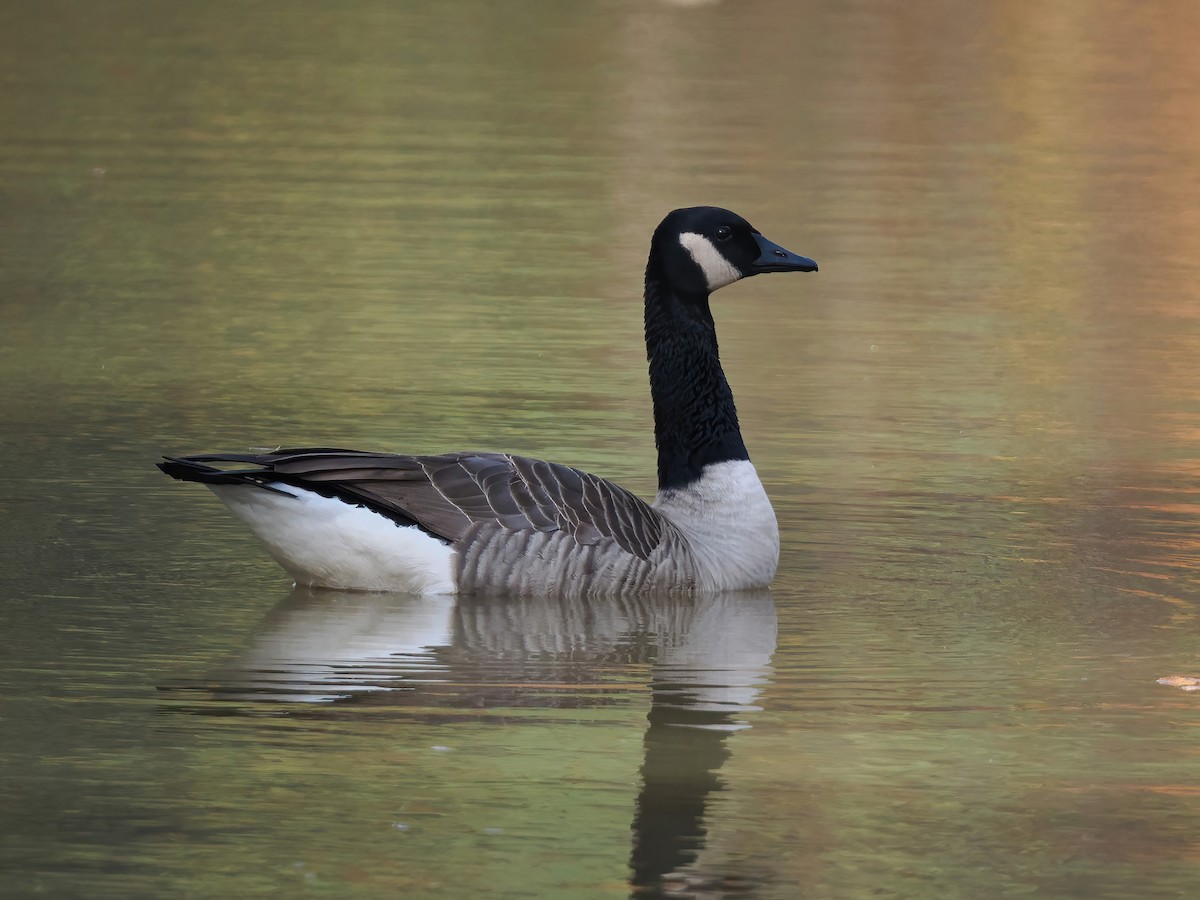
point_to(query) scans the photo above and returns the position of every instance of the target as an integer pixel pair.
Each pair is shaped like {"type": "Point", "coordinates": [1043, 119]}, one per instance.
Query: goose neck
{"type": "Point", "coordinates": [695, 420]}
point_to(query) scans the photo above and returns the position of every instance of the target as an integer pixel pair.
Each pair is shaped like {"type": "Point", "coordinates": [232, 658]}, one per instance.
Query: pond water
{"type": "Point", "coordinates": [421, 227]}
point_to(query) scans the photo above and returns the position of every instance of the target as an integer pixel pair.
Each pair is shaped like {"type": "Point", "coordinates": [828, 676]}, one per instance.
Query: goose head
{"type": "Point", "coordinates": [702, 248]}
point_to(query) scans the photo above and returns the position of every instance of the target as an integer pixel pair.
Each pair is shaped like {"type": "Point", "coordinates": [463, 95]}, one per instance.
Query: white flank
{"type": "Point", "coordinates": [718, 271]}
{"type": "Point", "coordinates": [729, 524]}
{"type": "Point", "coordinates": [328, 543]}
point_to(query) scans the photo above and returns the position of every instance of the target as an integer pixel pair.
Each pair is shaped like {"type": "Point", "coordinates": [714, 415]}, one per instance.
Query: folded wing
{"type": "Point", "coordinates": [447, 495]}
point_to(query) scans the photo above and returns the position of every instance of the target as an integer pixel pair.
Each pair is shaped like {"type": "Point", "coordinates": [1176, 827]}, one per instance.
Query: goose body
{"type": "Point", "coordinates": [498, 523]}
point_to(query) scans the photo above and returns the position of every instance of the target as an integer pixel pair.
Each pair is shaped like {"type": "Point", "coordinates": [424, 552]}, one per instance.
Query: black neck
{"type": "Point", "coordinates": [695, 422]}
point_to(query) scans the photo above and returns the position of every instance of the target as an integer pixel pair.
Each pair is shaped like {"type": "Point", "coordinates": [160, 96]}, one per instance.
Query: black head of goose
{"type": "Point", "coordinates": [498, 523]}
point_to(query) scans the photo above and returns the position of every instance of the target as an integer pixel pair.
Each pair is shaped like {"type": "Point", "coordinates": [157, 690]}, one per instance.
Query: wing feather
{"type": "Point", "coordinates": [450, 494]}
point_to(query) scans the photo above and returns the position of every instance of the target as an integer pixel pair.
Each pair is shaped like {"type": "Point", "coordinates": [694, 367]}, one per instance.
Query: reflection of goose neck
{"type": "Point", "coordinates": [703, 684]}
{"type": "Point", "coordinates": [679, 772]}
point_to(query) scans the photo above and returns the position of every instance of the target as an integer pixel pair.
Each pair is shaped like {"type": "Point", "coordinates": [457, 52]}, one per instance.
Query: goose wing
{"type": "Point", "coordinates": [447, 495]}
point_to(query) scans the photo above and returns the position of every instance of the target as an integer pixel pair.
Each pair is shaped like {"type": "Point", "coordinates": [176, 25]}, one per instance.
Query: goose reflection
{"type": "Point", "coordinates": [705, 659]}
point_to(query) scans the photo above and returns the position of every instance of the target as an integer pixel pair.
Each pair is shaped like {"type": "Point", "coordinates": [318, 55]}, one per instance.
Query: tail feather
{"type": "Point", "coordinates": [195, 468]}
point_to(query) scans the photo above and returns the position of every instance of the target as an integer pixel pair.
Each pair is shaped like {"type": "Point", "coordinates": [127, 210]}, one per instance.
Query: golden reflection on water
{"type": "Point", "coordinates": [385, 226]}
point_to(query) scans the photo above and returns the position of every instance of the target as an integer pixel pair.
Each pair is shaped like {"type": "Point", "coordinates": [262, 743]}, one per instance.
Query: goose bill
{"type": "Point", "coordinates": [773, 258]}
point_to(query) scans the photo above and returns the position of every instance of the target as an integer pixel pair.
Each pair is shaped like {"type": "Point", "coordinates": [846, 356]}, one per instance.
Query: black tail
{"type": "Point", "coordinates": [263, 470]}
{"type": "Point", "coordinates": [196, 468]}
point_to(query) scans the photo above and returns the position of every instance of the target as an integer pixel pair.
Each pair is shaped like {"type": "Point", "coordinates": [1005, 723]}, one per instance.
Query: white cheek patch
{"type": "Point", "coordinates": [718, 271]}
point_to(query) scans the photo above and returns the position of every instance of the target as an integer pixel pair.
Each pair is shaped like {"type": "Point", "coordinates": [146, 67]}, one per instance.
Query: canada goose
{"type": "Point", "coordinates": [497, 523]}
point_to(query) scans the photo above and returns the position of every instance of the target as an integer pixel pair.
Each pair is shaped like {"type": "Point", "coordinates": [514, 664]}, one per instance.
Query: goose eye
{"type": "Point", "coordinates": [724, 233]}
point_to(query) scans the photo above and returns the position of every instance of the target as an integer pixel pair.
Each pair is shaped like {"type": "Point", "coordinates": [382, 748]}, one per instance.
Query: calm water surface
{"type": "Point", "coordinates": [416, 227]}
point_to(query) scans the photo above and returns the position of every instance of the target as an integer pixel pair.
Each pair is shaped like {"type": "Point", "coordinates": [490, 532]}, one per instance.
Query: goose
{"type": "Point", "coordinates": [496, 523]}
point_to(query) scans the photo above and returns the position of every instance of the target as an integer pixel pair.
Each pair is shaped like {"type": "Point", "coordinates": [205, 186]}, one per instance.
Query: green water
{"type": "Point", "coordinates": [421, 227]}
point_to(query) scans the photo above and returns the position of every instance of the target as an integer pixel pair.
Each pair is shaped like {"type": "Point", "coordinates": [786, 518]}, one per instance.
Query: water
{"type": "Point", "coordinates": [423, 228]}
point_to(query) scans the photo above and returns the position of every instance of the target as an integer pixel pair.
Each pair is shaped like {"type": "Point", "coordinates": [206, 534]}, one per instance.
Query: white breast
{"type": "Point", "coordinates": [729, 525]}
